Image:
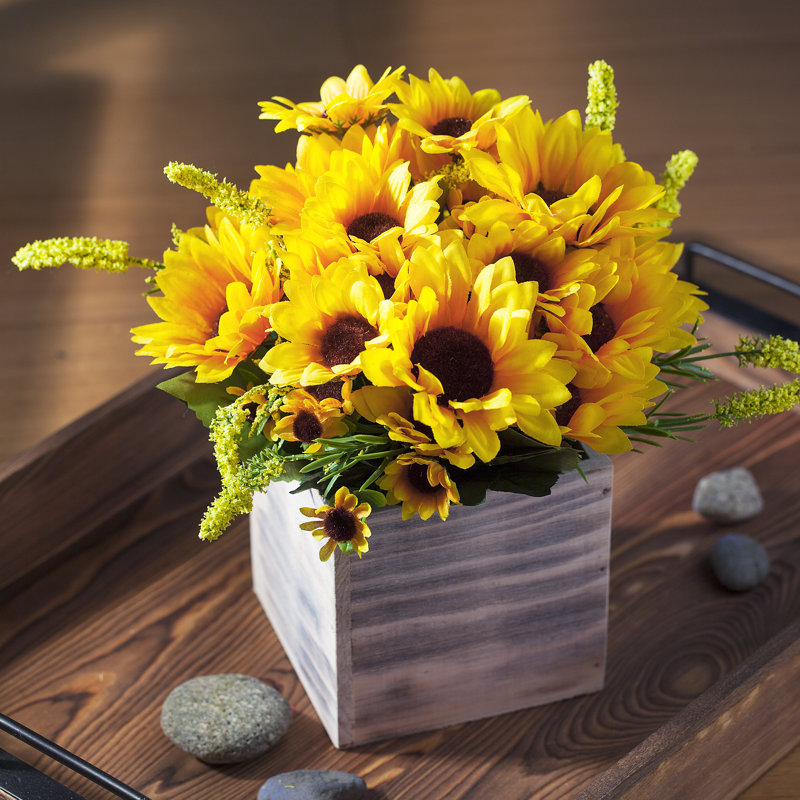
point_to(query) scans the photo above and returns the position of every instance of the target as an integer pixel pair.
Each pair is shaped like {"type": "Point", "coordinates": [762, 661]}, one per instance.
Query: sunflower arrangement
{"type": "Point", "coordinates": [443, 295]}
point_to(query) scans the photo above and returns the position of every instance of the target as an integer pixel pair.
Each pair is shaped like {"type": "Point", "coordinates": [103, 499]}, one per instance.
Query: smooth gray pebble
{"type": "Point", "coordinates": [728, 496]}
{"type": "Point", "coordinates": [225, 719]}
{"type": "Point", "coordinates": [739, 562]}
{"type": "Point", "coordinates": [313, 784]}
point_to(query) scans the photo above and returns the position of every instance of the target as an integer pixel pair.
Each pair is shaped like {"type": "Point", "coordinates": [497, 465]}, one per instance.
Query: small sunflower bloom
{"type": "Point", "coordinates": [305, 419]}
{"type": "Point", "coordinates": [422, 485]}
{"type": "Point", "coordinates": [341, 524]}
{"type": "Point", "coordinates": [447, 116]}
{"type": "Point", "coordinates": [342, 104]}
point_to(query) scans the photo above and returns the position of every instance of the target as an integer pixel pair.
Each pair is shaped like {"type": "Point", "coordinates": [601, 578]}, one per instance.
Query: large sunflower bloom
{"type": "Point", "coordinates": [421, 485]}
{"type": "Point", "coordinates": [328, 322]}
{"type": "Point", "coordinates": [573, 180]}
{"type": "Point", "coordinates": [463, 349]}
{"type": "Point", "coordinates": [342, 104]}
{"type": "Point", "coordinates": [218, 289]}
{"type": "Point", "coordinates": [341, 524]}
{"type": "Point", "coordinates": [447, 116]}
{"type": "Point", "coordinates": [360, 208]}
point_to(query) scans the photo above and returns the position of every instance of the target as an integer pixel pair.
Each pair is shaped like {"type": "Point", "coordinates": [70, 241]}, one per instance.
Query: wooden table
{"type": "Point", "coordinates": [108, 601]}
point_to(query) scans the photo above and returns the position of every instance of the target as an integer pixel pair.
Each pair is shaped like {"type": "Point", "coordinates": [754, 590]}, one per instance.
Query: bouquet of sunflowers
{"type": "Point", "coordinates": [445, 294]}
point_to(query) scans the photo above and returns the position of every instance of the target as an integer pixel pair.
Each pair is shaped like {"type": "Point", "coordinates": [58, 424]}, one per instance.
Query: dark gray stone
{"type": "Point", "coordinates": [728, 496]}
{"type": "Point", "coordinates": [739, 562]}
{"type": "Point", "coordinates": [224, 719]}
{"type": "Point", "coordinates": [313, 784]}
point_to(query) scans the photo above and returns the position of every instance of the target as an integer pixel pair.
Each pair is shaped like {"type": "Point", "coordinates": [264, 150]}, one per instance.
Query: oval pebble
{"type": "Point", "coordinates": [739, 562]}
{"type": "Point", "coordinates": [224, 719]}
{"type": "Point", "coordinates": [313, 784]}
{"type": "Point", "coordinates": [727, 496]}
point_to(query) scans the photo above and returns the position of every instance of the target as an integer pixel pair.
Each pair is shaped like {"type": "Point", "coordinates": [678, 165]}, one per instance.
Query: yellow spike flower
{"type": "Point", "coordinates": [240, 205]}
{"type": "Point", "coordinates": [602, 97]}
{"type": "Point", "coordinates": [679, 169]}
{"type": "Point", "coordinates": [84, 252]}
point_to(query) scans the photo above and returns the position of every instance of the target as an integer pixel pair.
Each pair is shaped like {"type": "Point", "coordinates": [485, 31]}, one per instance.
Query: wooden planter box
{"type": "Point", "coordinates": [503, 606]}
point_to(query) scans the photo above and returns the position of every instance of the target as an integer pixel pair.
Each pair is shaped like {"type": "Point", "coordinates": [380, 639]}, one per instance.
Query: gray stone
{"type": "Point", "coordinates": [728, 496]}
{"type": "Point", "coordinates": [313, 784]}
{"type": "Point", "coordinates": [224, 719]}
{"type": "Point", "coordinates": [739, 562]}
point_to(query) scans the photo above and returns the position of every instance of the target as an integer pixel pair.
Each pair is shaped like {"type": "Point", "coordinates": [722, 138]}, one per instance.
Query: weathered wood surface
{"type": "Point", "coordinates": [502, 607]}
{"type": "Point", "coordinates": [90, 648]}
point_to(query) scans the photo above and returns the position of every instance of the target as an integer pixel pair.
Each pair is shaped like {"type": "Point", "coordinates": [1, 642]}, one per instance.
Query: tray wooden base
{"type": "Point", "coordinates": [503, 606]}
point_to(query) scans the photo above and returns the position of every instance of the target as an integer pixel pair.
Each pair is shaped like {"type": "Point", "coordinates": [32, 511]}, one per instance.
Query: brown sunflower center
{"type": "Point", "coordinates": [565, 411]}
{"type": "Point", "coordinates": [451, 126]}
{"type": "Point", "coordinates": [550, 196]}
{"type": "Point", "coordinates": [528, 268]}
{"type": "Point", "coordinates": [417, 475]}
{"type": "Point", "coordinates": [340, 524]}
{"type": "Point", "coordinates": [386, 282]}
{"type": "Point", "coordinates": [344, 340]}
{"type": "Point", "coordinates": [306, 427]}
{"type": "Point", "coordinates": [460, 360]}
{"type": "Point", "coordinates": [603, 328]}
{"type": "Point", "coordinates": [325, 390]}
{"type": "Point", "coordinates": [368, 226]}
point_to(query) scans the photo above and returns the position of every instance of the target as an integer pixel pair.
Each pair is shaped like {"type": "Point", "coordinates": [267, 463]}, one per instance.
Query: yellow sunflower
{"type": "Point", "coordinates": [342, 103]}
{"type": "Point", "coordinates": [327, 322]}
{"type": "Point", "coordinates": [447, 116]}
{"type": "Point", "coordinates": [391, 406]}
{"type": "Point", "coordinates": [595, 416]}
{"type": "Point", "coordinates": [341, 524]}
{"type": "Point", "coordinates": [421, 485]}
{"type": "Point", "coordinates": [360, 208]}
{"type": "Point", "coordinates": [572, 180]}
{"type": "Point", "coordinates": [218, 289]}
{"type": "Point", "coordinates": [306, 419]}
{"type": "Point", "coordinates": [463, 349]}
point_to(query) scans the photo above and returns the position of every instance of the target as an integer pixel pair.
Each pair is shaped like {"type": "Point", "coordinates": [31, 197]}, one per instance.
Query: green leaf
{"type": "Point", "coordinates": [202, 398]}
{"type": "Point", "coordinates": [375, 498]}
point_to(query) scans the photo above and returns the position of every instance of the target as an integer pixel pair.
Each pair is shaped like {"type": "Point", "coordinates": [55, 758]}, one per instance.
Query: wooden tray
{"type": "Point", "coordinates": [109, 600]}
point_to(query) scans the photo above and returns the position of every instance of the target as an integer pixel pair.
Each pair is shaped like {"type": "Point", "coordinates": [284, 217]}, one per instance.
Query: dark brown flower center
{"type": "Point", "coordinates": [340, 524]}
{"type": "Point", "coordinates": [550, 196]}
{"type": "Point", "coordinates": [460, 360]}
{"type": "Point", "coordinates": [306, 427]}
{"type": "Point", "coordinates": [451, 126]}
{"type": "Point", "coordinates": [344, 340]}
{"type": "Point", "coordinates": [603, 329]}
{"type": "Point", "coordinates": [386, 282]}
{"type": "Point", "coordinates": [565, 411]}
{"type": "Point", "coordinates": [417, 475]}
{"type": "Point", "coordinates": [325, 390]}
{"type": "Point", "coordinates": [528, 268]}
{"type": "Point", "coordinates": [368, 226]}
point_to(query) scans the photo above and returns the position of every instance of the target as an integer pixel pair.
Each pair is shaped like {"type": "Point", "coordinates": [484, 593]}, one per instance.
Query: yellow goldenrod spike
{"type": "Point", "coordinates": [775, 352]}
{"type": "Point", "coordinates": [677, 172]}
{"type": "Point", "coordinates": [757, 403]}
{"type": "Point", "coordinates": [602, 97]}
{"type": "Point", "coordinates": [225, 196]}
{"type": "Point", "coordinates": [84, 252]}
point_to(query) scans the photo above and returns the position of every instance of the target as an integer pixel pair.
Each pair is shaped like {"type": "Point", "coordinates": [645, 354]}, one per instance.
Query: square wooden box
{"type": "Point", "coordinates": [503, 606]}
